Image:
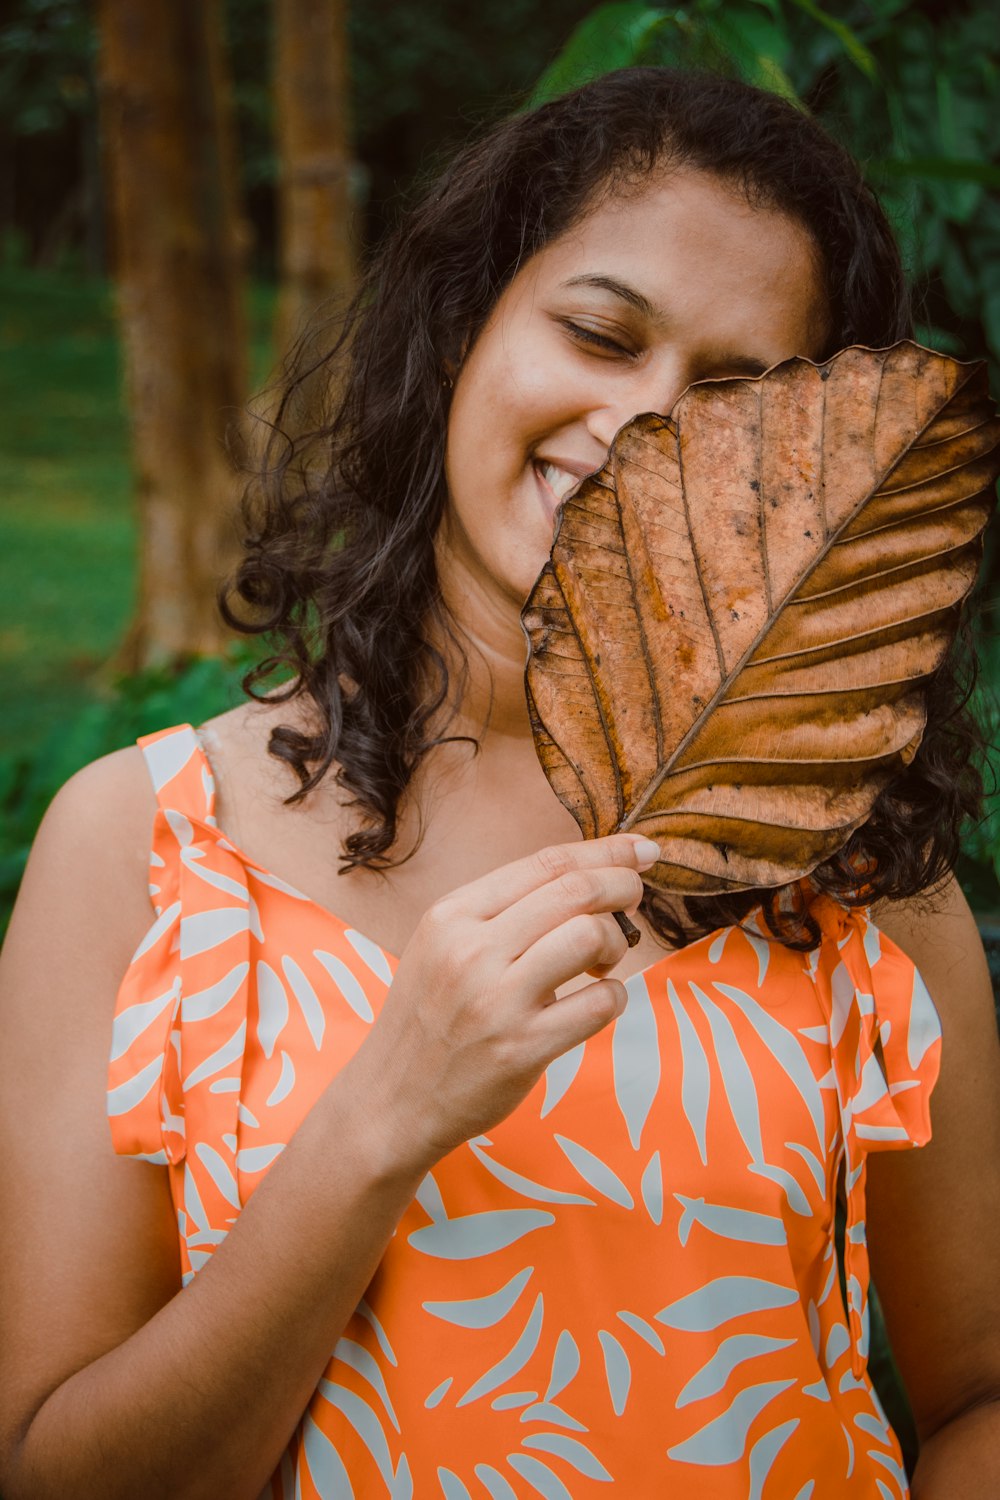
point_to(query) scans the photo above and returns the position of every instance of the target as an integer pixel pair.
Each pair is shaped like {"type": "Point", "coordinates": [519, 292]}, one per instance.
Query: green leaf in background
{"type": "Point", "coordinates": [613, 36]}
{"type": "Point", "coordinates": [945, 168]}
{"type": "Point", "coordinates": [852, 44]}
{"type": "Point", "coordinates": [757, 43]}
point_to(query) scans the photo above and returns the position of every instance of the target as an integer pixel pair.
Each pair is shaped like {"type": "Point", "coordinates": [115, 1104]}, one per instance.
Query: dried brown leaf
{"type": "Point", "coordinates": [730, 641]}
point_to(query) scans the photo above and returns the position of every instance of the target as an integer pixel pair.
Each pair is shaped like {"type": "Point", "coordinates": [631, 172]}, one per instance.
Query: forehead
{"type": "Point", "coordinates": [697, 252]}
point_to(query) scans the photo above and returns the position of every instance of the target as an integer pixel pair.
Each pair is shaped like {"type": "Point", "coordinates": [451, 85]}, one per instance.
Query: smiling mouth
{"type": "Point", "coordinates": [555, 484]}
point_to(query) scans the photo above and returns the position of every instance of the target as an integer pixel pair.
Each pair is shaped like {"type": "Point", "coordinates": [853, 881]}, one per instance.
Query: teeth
{"type": "Point", "coordinates": [558, 480]}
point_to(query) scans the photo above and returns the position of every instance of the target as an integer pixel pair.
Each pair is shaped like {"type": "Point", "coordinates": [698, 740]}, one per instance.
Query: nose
{"type": "Point", "coordinates": [654, 388]}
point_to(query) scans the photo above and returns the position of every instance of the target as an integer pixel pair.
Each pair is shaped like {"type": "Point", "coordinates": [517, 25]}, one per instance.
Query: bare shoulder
{"type": "Point", "coordinates": [939, 933]}
{"type": "Point", "coordinates": [91, 855]}
{"type": "Point", "coordinates": [252, 784]}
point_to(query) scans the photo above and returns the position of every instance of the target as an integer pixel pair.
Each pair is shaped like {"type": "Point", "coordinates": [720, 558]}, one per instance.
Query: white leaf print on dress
{"type": "Point", "coordinates": [470, 1235]}
{"type": "Point", "coordinates": [494, 1483]}
{"type": "Point", "coordinates": [256, 1158]}
{"type": "Point", "coordinates": [524, 1185]}
{"type": "Point", "coordinates": [569, 1449]}
{"type": "Point", "coordinates": [312, 1010]}
{"type": "Point", "coordinates": [326, 1467]}
{"type": "Point", "coordinates": [191, 860]}
{"type": "Point", "coordinates": [482, 1312]}
{"type": "Point", "coordinates": [219, 1172]}
{"type": "Point", "coordinates": [719, 1301]}
{"type": "Point", "coordinates": [729, 1223]}
{"type": "Point", "coordinates": [724, 1439]}
{"type": "Point", "coordinates": [272, 1007]}
{"type": "Point", "coordinates": [206, 1003]}
{"type": "Point", "coordinates": [347, 985]}
{"type": "Point", "coordinates": [737, 1077]}
{"type": "Point", "coordinates": [131, 1022]}
{"type": "Point", "coordinates": [511, 1399]}
{"type": "Point", "coordinates": [645, 1330]}
{"type": "Point", "coordinates": [205, 930]}
{"type": "Point", "coordinates": [125, 1096]}
{"type": "Point", "coordinates": [786, 1050]}
{"type": "Point", "coordinates": [163, 924]}
{"type": "Point", "coordinates": [733, 1351]}
{"type": "Point", "coordinates": [596, 1172]}
{"type": "Point", "coordinates": [888, 1462]}
{"type": "Point", "coordinates": [565, 1365]}
{"type": "Point", "coordinates": [763, 1454]}
{"type": "Point", "coordinates": [451, 1486]}
{"type": "Point", "coordinates": [371, 954]}
{"type": "Point", "coordinates": [365, 1423]}
{"type": "Point", "coordinates": [559, 1075]}
{"type": "Point", "coordinates": [539, 1476]}
{"type": "Point", "coordinates": [364, 1311]}
{"type": "Point", "coordinates": [512, 1363]}
{"type": "Point", "coordinates": [617, 1370]}
{"type": "Point", "coordinates": [547, 1411]}
{"type": "Point", "coordinates": [635, 1058]}
{"type": "Point", "coordinates": [166, 758]}
{"type": "Point", "coordinates": [428, 1195]}
{"type": "Point", "coordinates": [285, 1083]}
{"type": "Point", "coordinates": [357, 1358]}
{"type": "Point", "coordinates": [651, 1188]}
{"type": "Point", "coordinates": [229, 1052]}
{"type": "Point", "coordinates": [924, 1025]}
{"type": "Point", "coordinates": [696, 1080]}
{"type": "Point", "coordinates": [439, 1392]}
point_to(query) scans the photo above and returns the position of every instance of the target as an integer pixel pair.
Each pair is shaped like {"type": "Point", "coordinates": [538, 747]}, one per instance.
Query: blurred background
{"type": "Point", "coordinates": [182, 182]}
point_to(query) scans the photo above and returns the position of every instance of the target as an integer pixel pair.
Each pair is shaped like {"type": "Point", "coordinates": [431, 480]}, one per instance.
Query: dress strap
{"type": "Point", "coordinates": [181, 1015]}
{"type": "Point", "coordinates": [180, 772]}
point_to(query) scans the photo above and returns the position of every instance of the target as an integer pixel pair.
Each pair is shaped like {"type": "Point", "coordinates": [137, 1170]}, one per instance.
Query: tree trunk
{"type": "Point", "coordinates": [317, 257]}
{"type": "Point", "coordinates": [177, 250]}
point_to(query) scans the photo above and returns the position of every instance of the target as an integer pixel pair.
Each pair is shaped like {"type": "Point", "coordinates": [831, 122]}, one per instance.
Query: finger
{"type": "Point", "coordinates": [582, 943]}
{"type": "Point", "coordinates": [491, 894]}
{"type": "Point", "coordinates": [577, 893]}
{"type": "Point", "coordinates": [557, 1028]}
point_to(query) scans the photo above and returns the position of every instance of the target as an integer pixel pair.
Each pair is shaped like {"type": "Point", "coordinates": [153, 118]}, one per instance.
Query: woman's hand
{"type": "Point", "coordinates": [471, 1019]}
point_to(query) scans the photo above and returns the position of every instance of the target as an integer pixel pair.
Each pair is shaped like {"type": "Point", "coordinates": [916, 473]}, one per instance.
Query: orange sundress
{"type": "Point", "coordinates": [633, 1279]}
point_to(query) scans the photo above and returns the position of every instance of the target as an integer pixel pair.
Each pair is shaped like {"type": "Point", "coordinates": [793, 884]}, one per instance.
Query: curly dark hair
{"type": "Point", "coordinates": [338, 569]}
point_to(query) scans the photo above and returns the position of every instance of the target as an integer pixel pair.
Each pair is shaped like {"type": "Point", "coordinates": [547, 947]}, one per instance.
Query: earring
{"type": "Point", "coordinates": [446, 382]}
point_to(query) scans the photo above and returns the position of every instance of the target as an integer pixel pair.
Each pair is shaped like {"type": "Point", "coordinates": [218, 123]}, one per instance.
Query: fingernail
{"type": "Point", "coordinates": [646, 852]}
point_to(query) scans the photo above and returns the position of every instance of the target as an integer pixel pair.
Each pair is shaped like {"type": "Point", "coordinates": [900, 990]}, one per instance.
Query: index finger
{"type": "Point", "coordinates": [492, 894]}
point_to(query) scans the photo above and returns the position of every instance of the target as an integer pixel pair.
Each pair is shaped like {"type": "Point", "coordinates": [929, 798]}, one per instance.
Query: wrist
{"type": "Point", "coordinates": [387, 1135]}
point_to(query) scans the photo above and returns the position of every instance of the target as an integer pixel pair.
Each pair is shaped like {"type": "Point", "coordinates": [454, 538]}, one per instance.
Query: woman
{"type": "Point", "coordinates": [493, 1172]}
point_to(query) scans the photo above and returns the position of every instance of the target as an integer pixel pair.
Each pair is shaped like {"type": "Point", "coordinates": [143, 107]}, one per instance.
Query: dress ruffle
{"type": "Point", "coordinates": [886, 1058]}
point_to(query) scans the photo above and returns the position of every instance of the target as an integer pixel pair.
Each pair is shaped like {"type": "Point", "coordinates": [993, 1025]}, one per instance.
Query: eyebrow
{"type": "Point", "coordinates": [617, 289]}
{"type": "Point", "coordinates": [740, 362]}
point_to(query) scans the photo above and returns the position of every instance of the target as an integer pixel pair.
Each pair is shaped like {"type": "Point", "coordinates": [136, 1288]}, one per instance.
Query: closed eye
{"type": "Point", "coordinates": [588, 336]}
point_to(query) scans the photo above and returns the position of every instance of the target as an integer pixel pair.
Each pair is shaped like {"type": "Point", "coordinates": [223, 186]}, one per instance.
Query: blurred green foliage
{"type": "Point", "coordinates": [187, 693]}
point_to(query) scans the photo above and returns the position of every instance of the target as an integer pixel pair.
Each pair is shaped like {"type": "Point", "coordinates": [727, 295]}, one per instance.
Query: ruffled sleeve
{"type": "Point", "coordinates": [885, 1039]}
{"type": "Point", "coordinates": [180, 1018]}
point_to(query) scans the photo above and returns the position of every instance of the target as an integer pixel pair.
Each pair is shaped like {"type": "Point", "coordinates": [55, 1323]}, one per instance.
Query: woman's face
{"type": "Point", "coordinates": [678, 282]}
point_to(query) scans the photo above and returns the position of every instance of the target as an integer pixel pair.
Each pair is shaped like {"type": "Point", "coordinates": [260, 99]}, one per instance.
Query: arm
{"type": "Point", "coordinates": [115, 1383]}
{"type": "Point", "coordinates": [934, 1216]}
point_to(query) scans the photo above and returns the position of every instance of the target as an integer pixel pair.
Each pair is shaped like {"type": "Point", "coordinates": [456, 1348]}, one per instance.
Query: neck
{"type": "Point", "coordinates": [487, 631]}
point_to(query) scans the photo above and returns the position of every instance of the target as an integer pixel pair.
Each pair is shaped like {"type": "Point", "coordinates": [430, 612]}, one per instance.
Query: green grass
{"type": "Point", "coordinates": [67, 523]}
{"type": "Point", "coordinates": [67, 533]}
